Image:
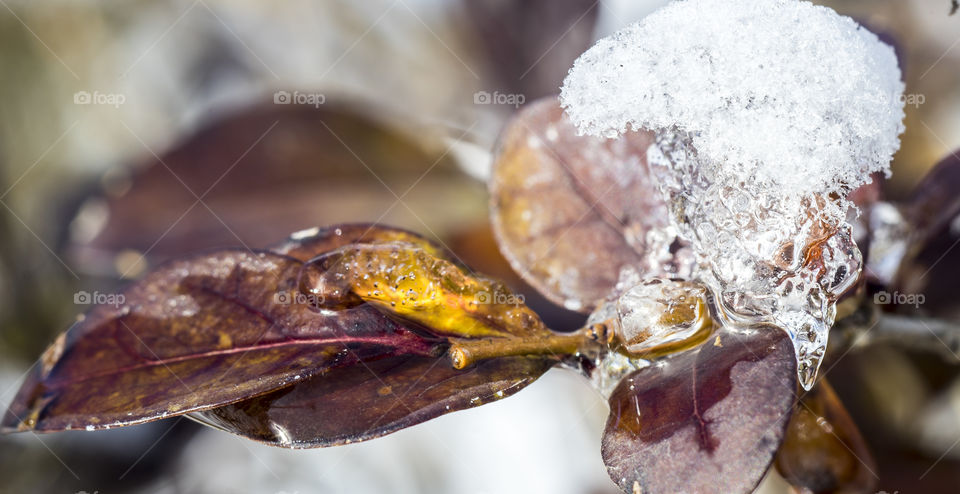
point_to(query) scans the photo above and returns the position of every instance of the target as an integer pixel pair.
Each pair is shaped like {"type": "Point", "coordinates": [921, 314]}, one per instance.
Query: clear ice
{"type": "Point", "coordinates": [652, 314]}
{"type": "Point", "coordinates": [767, 114]}
{"type": "Point", "coordinates": [660, 311]}
{"type": "Point", "coordinates": [769, 257]}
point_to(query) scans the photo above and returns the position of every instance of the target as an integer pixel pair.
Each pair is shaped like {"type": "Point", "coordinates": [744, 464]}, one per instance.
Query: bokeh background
{"type": "Point", "coordinates": [132, 132]}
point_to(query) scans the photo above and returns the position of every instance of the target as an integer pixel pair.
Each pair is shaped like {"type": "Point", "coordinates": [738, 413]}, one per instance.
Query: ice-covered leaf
{"type": "Point", "coordinates": [571, 212]}
{"type": "Point", "coordinates": [708, 420]}
{"type": "Point", "coordinates": [213, 329]}
{"type": "Point", "coordinates": [362, 402]}
{"type": "Point", "coordinates": [823, 451]}
{"type": "Point", "coordinates": [660, 316]}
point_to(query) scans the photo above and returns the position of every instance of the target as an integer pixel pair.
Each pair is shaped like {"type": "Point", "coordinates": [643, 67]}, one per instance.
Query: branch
{"type": "Point", "coordinates": [922, 333]}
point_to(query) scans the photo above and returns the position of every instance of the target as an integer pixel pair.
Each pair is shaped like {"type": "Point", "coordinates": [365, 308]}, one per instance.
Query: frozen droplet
{"type": "Point", "coordinates": [652, 314]}
{"type": "Point", "coordinates": [611, 370]}
{"type": "Point", "coordinates": [659, 311]}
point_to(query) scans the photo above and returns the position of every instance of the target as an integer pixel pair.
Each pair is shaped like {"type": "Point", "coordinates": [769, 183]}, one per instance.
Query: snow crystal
{"type": "Point", "coordinates": [767, 113]}
{"type": "Point", "coordinates": [782, 92]}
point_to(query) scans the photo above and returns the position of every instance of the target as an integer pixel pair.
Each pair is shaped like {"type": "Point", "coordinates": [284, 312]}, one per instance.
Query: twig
{"type": "Point", "coordinates": [916, 332]}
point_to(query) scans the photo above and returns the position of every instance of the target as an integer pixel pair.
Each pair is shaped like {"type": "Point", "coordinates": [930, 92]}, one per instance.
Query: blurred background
{"type": "Point", "coordinates": [133, 132]}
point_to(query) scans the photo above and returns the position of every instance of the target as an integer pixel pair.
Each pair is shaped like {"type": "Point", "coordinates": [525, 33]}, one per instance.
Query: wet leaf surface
{"type": "Point", "coordinates": [708, 420]}
{"type": "Point", "coordinates": [308, 244]}
{"type": "Point", "coordinates": [411, 278]}
{"type": "Point", "coordinates": [376, 398]}
{"type": "Point", "coordinates": [367, 401]}
{"type": "Point", "coordinates": [570, 211]}
{"type": "Point", "coordinates": [477, 247]}
{"type": "Point", "coordinates": [200, 332]}
{"type": "Point", "coordinates": [217, 328]}
{"type": "Point", "coordinates": [823, 451]}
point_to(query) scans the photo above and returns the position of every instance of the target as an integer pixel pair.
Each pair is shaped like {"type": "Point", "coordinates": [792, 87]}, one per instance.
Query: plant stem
{"type": "Point", "coordinates": [917, 332]}
{"type": "Point", "coordinates": [464, 352]}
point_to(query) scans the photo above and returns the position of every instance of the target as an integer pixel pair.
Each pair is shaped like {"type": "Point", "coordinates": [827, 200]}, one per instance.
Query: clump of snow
{"type": "Point", "coordinates": [782, 92]}
{"type": "Point", "coordinates": [767, 113]}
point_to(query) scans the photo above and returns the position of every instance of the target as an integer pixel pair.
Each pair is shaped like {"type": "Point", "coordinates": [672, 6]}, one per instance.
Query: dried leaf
{"type": "Point", "coordinates": [366, 401]}
{"type": "Point", "coordinates": [571, 211]}
{"type": "Point", "coordinates": [709, 420]}
{"type": "Point", "coordinates": [218, 328]}
{"type": "Point", "coordinates": [823, 451]}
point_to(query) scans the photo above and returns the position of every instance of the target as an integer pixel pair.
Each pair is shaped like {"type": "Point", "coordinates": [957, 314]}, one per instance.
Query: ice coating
{"type": "Point", "coordinates": [767, 113]}
{"type": "Point", "coordinates": [769, 257]}
{"type": "Point", "coordinates": [659, 311]}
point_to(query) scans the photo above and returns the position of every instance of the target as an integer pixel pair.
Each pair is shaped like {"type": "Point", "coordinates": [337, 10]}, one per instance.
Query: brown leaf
{"type": "Point", "coordinates": [308, 244]}
{"type": "Point", "coordinates": [934, 202]}
{"type": "Point", "coordinates": [412, 278]}
{"type": "Point", "coordinates": [478, 247]}
{"type": "Point", "coordinates": [264, 172]}
{"type": "Point", "coordinates": [366, 401]}
{"type": "Point", "coordinates": [931, 261]}
{"type": "Point", "coordinates": [823, 451]}
{"type": "Point", "coordinates": [214, 329]}
{"type": "Point", "coordinates": [203, 331]}
{"type": "Point", "coordinates": [571, 211]}
{"type": "Point", "coordinates": [373, 399]}
{"type": "Point", "coordinates": [709, 420]}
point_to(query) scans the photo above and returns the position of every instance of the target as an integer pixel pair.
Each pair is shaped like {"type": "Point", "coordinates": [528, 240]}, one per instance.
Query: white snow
{"type": "Point", "coordinates": [782, 92]}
